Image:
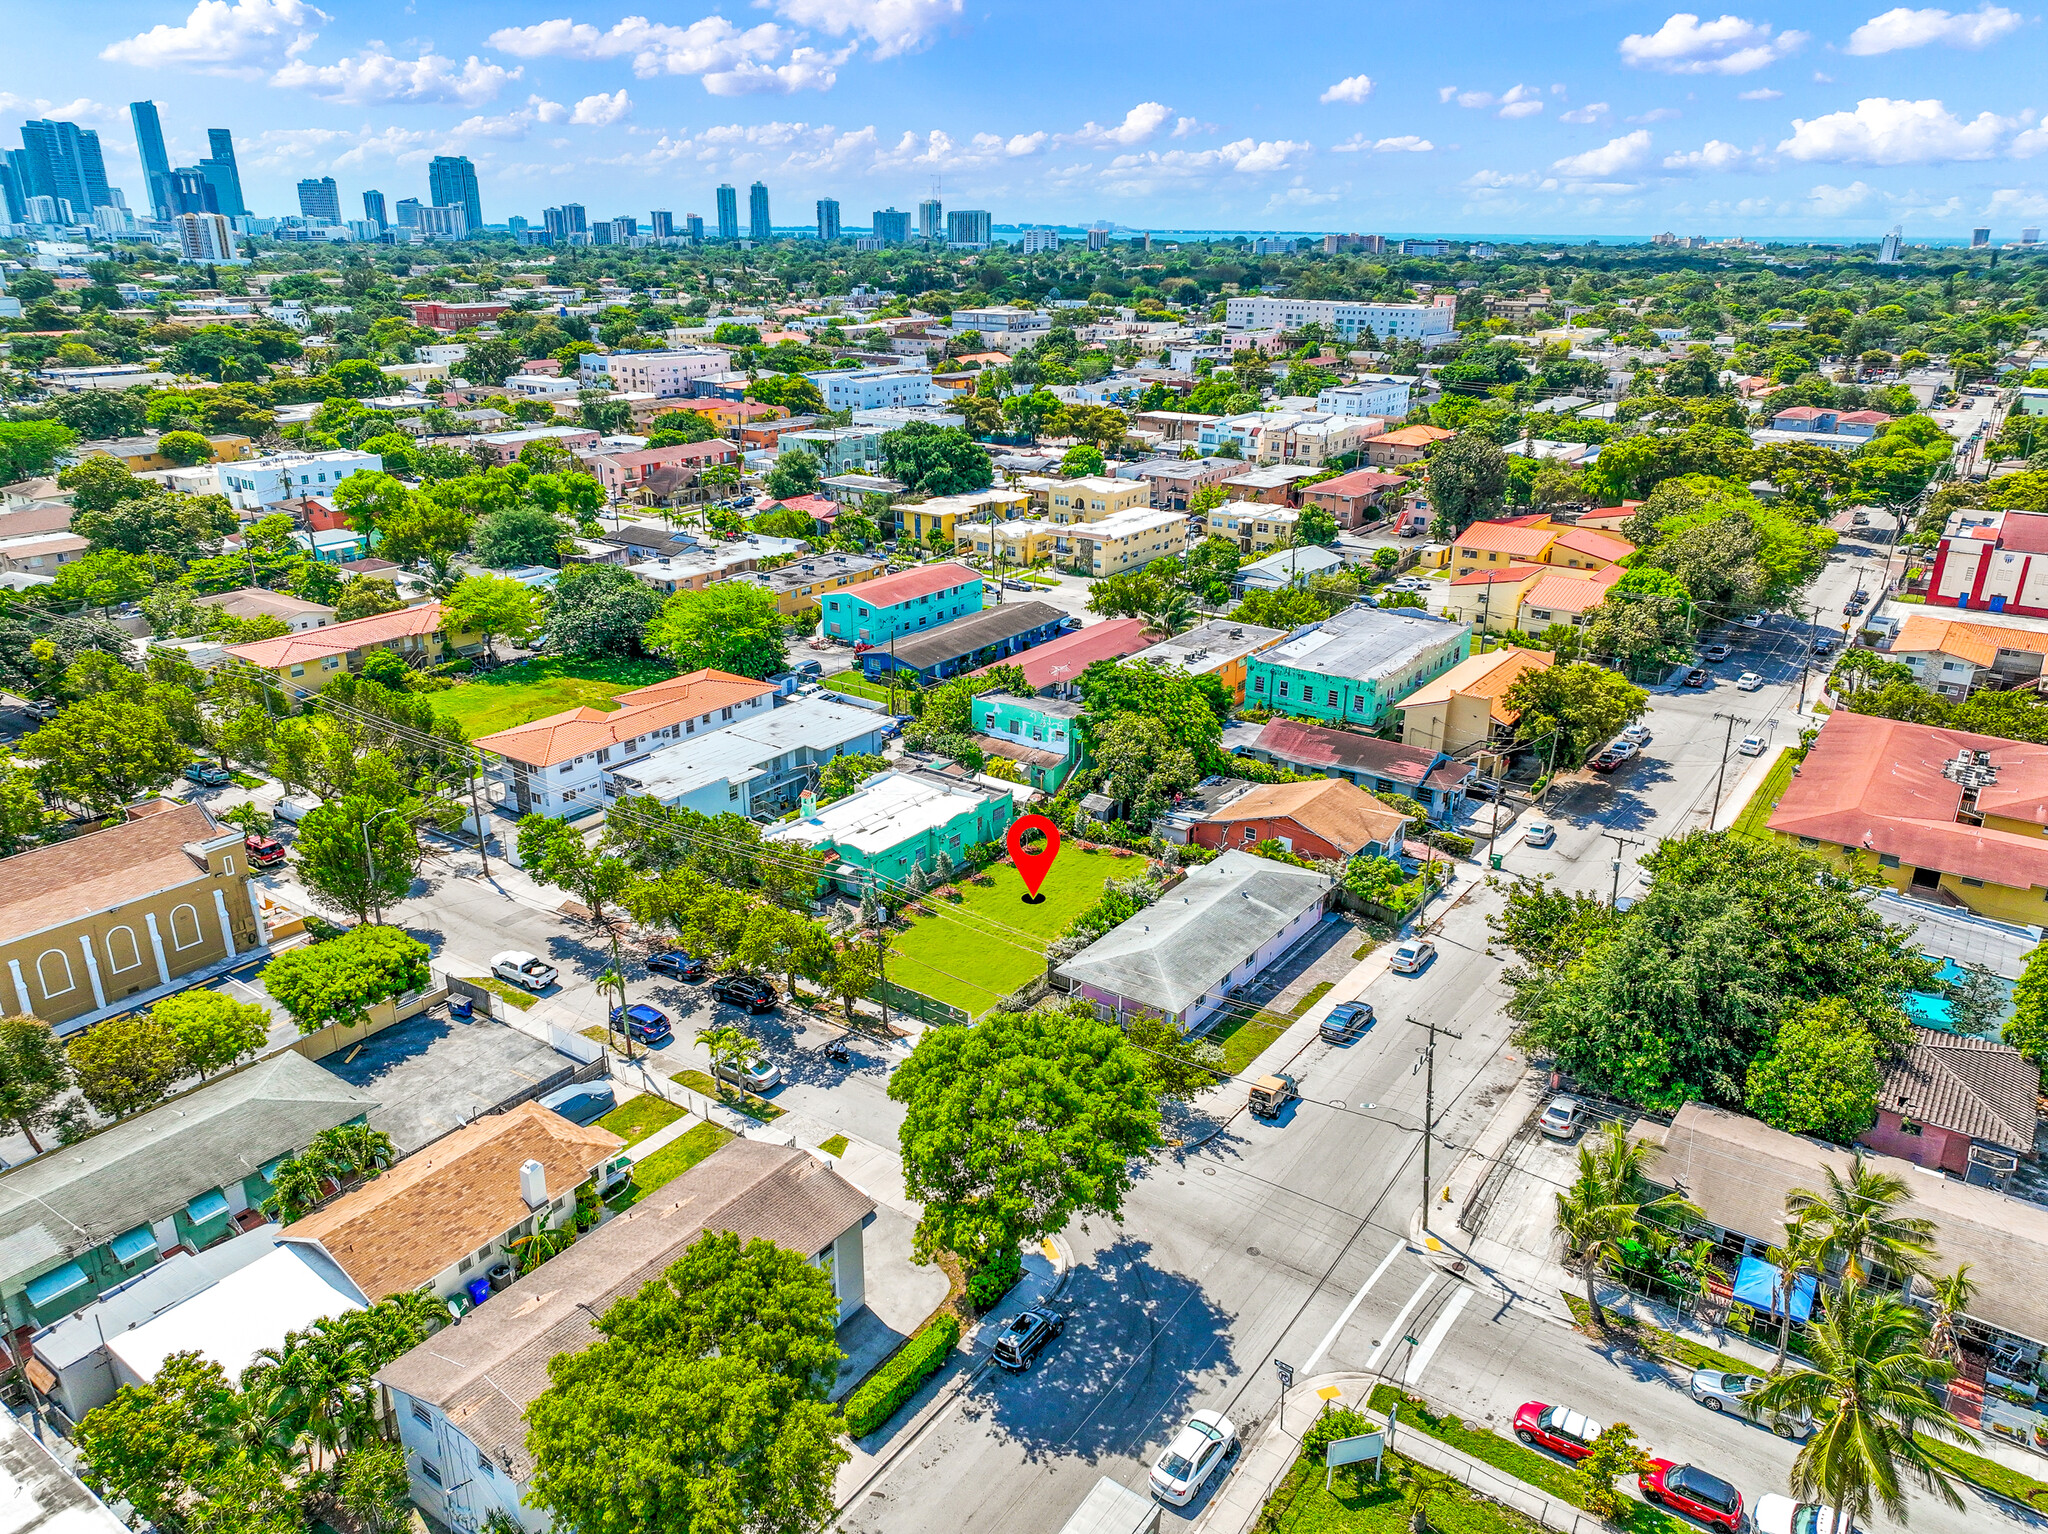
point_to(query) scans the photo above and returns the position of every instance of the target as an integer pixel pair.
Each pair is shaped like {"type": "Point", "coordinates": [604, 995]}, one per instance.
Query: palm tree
{"type": "Point", "coordinates": [1875, 1392]}
{"type": "Point", "coordinates": [352, 1150]}
{"type": "Point", "coordinates": [1800, 1254]}
{"type": "Point", "coordinates": [1952, 1296]}
{"type": "Point", "coordinates": [1169, 613]}
{"type": "Point", "coordinates": [729, 1046]}
{"type": "Point", "coordinates": [1608, 1203]}
{"type": "Point", "coordinates": [1855, 1218]}
{"type": "Point", "coordinates": [296, 1186]}
{"type": "Point", "coordinates": [310, 1386]}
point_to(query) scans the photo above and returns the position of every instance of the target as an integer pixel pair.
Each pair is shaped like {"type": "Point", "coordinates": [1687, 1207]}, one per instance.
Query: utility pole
{"type": "Point", "coordinates": [1805, 656]}
{"type": "Point", "coordinates": [1721, 775]}
{"type": "Point", "coordinates": [1619, 842]}
{"type": "Point", "coordinates": [1429, 1102]}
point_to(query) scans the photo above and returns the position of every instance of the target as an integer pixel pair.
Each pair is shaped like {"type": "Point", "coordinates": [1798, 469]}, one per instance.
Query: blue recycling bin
{"type": "Point", "coordinates": [479, 1290]}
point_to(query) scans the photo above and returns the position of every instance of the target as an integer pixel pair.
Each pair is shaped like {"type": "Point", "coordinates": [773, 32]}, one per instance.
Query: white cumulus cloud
{"type": "Point", "coordinates": [1352, 89]}
{"type": "Point", "coordinates": [1728, 45]}
{"type": "Point", "coordinates": [1610, 159]}
{"type": "Point", "coordinates": [1592, 112]}
{"type": "Point", "coordinates": [1903, 28]}
{"type": "Point", "coordinates": [1021, 144]}
{"type": "Point", "coordinates": [891, 26]}
{"type": "Point", "coordinates": [375, 75]}
{"type": "Point", "coordinates": [1762, 93]}
{"type": "Point", "coordinates": [1714, 155]}
{"type": "Point", "coordinates": [601, 111]}
{"type": "Point", "coordinates": [1365, 143]}
{"type": "Point", "coordinates": [807, 69]}
{"type": "Point", "coordinates": [1516, 101]}
{"type": "Point", "coordinates": [1835, 201]}
{"type": "Point", "coordinates": [218, 36]}
{"type": "Point", "coordinates": [708, 46]}
{"type": "Point", "coordinates": [1882, 131]}
{"type": "Point", "coordinates": [1139, 124]}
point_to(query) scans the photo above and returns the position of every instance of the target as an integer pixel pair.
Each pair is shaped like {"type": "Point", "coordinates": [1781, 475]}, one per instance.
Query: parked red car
{"type": "Point", "coordinates": [1695, 1492]}
{"type": "Point", "coordinates": [1557, 1428]}
{"type": "Point", "coordinates": [263, 852]}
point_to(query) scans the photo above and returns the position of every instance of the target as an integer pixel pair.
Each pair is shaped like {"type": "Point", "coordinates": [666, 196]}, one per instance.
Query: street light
{"type": "Point", "coordinates": [369, 853]}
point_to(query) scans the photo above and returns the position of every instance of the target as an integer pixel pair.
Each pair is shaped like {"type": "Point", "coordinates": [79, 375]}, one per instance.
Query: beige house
{"type": "Point", "coordinates": [1021, 543]}
{"type": "Point", "coordinates": [1095, 496]}
{"type": "Point", "coordinates": [109, 921]}
{"type": "Point", "coordinates": [306, 662]}
{"type": "Point", "coordinates": [295, 613]}
{"type": "Point", "coordinates": [1252, 525]}
{"type": "Point", "coordinates": [1124, 541]}
{"type": "Point", "coordinates": [1463, 707]}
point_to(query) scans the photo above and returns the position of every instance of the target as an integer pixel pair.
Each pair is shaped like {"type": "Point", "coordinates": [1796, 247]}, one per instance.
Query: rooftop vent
{"type": "Point", "coordinates": [1972, 769]}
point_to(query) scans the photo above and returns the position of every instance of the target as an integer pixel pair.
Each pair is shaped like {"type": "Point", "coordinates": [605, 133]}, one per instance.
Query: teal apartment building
{"type": "Point", "coordinates": [79, 1220]}
{"type": "Point", "coordinates": [1353, 668]}
{"type": "Point", "coordinates": [911, 602]}
{"type": "Point", "coordinates": [898, 822]}
{"type": "Point", "coordinates": [1041, 735]}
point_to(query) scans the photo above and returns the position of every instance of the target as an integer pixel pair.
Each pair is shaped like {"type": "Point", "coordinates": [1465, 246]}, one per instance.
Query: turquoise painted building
{"type": "Point", "coordinates": [910, 602]}
{"type": "Point", "coordinates": [79, 1220]}
{"type": "Point", "coordinates": [1353, 668]}
{"type": "Point", "coordinates": [899, 822]}
{"type": "Point", "coordinates": [1041, 735]}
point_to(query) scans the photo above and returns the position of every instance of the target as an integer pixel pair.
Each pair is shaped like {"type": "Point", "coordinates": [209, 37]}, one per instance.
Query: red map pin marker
{"type": "Point", "coordinates": [1034, 866]}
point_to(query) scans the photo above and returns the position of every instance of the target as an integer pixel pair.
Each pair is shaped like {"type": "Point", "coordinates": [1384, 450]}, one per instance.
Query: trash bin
{"type": "Point", "coordinates": [1493, 859]}
{"type": "Point", "coordinates": [459, 1008]}
{"type": "Point", "coordinates": [479, 1291]}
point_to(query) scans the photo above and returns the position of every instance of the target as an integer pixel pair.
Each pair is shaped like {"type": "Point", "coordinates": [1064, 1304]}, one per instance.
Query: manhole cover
{"type": "Point", "coordinates": [1252, 1251]}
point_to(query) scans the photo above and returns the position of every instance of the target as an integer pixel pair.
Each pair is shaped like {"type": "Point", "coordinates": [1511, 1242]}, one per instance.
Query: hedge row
{"type": "Point", "coordinates": [897, 1380]}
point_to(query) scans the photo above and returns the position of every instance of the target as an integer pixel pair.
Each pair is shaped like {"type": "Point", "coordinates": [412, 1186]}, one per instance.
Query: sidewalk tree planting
{"type": "Point", "coordinates": [1016, 1124]}
{"type": "Point", "coordinates": [1611, 1202]}
{"type": "Point", "coordinates": [339, 981]}
{"type": "Point", "coordinates": [702, 1406]}
{"type": "Point", "coordinates": [35, 1074]}
{"type": "Point", "coordinates": [357, 856]}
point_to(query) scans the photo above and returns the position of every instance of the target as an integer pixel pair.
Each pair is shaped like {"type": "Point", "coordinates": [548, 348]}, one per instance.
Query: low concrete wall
{"type": "Point", "coordinates": [385, 1014]}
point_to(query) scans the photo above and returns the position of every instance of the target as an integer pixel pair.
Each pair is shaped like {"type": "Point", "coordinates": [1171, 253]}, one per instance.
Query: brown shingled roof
{"type": "Point", "coordinates": [1336, 809]}
{"type": "Point", "coordinates": [1975, 1087]}
{"type": "Point", "coordinates": [104, 868]}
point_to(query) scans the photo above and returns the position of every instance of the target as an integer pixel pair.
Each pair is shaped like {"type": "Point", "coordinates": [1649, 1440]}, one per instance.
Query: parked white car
{"type": "Point", "coordinates": [1774, 1514]}
{"type": "Point", "coordinates": [1539, 833]}
{"type": "Point", "coordinates": [1749, 681]}
{"type": "Point", "coordinates": [1411, 954]}
{"type": "Point", "coordinates": [524, 969]}
{"type": "Point", "coordinates": [1204, 1442]}
{"type": "Point", "coordinates": [1752, 745]}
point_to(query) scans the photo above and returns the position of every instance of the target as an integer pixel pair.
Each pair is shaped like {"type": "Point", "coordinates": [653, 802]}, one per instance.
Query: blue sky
{"type": "Point", "coordinates": [1467, 116]}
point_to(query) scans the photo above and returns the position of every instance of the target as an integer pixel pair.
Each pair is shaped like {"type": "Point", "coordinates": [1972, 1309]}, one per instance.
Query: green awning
{"type": "Point", "coordinates": [54, 1286]}
{"type": "Point", "coordinates": [268, 1171]}
{"type": "Point", "coordinates": [134, 1244]}
{"type": "Point", "coordinates": [207, 1207]}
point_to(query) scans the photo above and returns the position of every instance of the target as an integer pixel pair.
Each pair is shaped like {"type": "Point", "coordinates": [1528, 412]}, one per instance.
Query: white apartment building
{"type": "Point", "coordinates": [1369, 394]}
{"type": "Point", "coordinates": [1123, 541]}
{"type": "Point", "coordinates": [541, 386]}
{"type": "Point", "coordinates": [999, 319]}
{"type": "Point", "coordinates": [864, 390]}
{"type": "Point", "coordinates": [667, 374]}
{"type": "Point", "coordinates": [1036, 240]}
{"type": "Point", "coordinates": [205, 237]}
{"type": "Point", "coordinates": [1289, 436]}
{"type": "Point", "coordinates": [1348, 321]}
{"type": "Point", "coordinates": [250, 483]}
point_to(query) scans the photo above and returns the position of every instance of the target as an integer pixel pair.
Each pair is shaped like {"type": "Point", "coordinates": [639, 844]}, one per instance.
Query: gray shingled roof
{"type": "Point", "coordinates": [72, 1198]}
{"type": "Point", "coordinates": [1173, 953]}
{"type": "Point", "coordinates": [1975, 1087]}
{"type": "Point", "coordinates": [963, 636]}
{"type": "Point", "coordinates": [487, 1371]}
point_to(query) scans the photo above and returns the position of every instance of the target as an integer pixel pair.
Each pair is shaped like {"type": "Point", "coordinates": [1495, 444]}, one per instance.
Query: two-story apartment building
{"type": "Point", "coordinates": [1042, 736]}
{"type": "Point", "coordinates": [951, 517]}
{"type": "Point", "coordinates": [184, 1175]}
{"type": "Point", "coordinates": [1404, 445]}
{"type": "Point", "coordinates": [799, 588]}
{"type": "Point", "coordinates": [1380, 394]}
{"type": "Point", "coordinates": [1092, 497]}
{"type": "Point", "coordinates": [111, 920]}
{"type": "Point", "coordinates": [504, 446]}
{"type": "Point", "coordinates": [253, 483]}
{"type": "Point", "coordinates": [556, 765]}
{"type": "Point", "coordinates": [1353, 668]}
{"type": "Point", "coordinates": [763, 763]}
{"type": "Point", "coordinates": [679, 467]}
{"type": "Point", "coordinates": [1357, 499]}
{"type": "Point", "coordinates": [1987, 560]}
{"type": "Point", "coordinates": [665, 373]}
{"type": "Point", "coordinates": [1219, 648]}
{"type": "Point", "coordinates": [909, 602]}
{"type": "Point", "coordinates": [294, 613]}
{"type": "Point", "coordinates": [1253, 526]}
{"type": "Point", "coordinates": [306, 662]}
{"type": "Point", "coordinates": [1955, 656]}
{"type": "Point", "coordinates": [874, 388]}
{"type": "Point", "coordinates": [1174, 481]}
{"type": "Point", "coordinates": [1535, 540]}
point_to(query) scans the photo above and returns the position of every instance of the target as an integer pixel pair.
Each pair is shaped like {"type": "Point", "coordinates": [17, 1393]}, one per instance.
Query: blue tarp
{"type": "Point", "coordinates": [1756, 1284]}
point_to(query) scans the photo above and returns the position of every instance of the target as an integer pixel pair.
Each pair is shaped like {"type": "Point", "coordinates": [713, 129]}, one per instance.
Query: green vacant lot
{"type": "Point", "coordinates": [1357, 1504]}
{"type": "Point", "coordinates": [638, 1117]}
{"type": "Point", "coordinates": [991, 943]}
{"type": "Point", "coordinates": [516, 695]}
{"type": "Point", "coordinates": [671, 1161]}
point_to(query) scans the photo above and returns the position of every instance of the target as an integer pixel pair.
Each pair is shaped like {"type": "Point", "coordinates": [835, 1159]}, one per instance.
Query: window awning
{"type": "Point", "coordinates": [208, 1206]}
{"type": "Point", "coordinates": [53, 1286]}
{"type": "Point", "coordinates": [268, 1171]}
{"type": "Point", "coordinates": [128, 1247]}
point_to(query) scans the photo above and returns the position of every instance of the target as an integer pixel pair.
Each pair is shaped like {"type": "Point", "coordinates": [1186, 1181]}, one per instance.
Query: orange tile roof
{"type": "Point", "coordinates": [1978, 643]}
{"type": "Point", "coordinates": [1483, 676]}
{"type": "Point", "coordinates": [577, 731]}
{"type": "Point", "coordinates": [1505, 538]}
{"type": "Point", "coordinates": [1514, 570]}
{"type": "Point", "coordinates": [1584, 540]}
{"type": "Point", "coordinates": [1414, 436]}
{"type": "Point", "coordinates": [1572, 591]}
{"type": "Point", "coordinates": [440, 1204]}
{"type": "Point", "coordinates": [338, 638]}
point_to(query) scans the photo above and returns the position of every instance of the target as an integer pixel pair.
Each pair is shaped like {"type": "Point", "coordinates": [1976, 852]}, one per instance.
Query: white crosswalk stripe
{"type": "Point", "coordinates": [1392, 1334]}
{"type": "Point", "coordinates": [1433, 1339]}
{"type": "Point", "coordinates": [1342, 1321]}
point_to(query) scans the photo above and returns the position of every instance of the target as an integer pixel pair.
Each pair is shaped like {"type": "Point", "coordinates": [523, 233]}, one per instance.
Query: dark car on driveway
{"type": "Point", "coordinates": [1695, 1492]}
{"type": "Point", "coordinates": [1697, 677]}
{"type": "Point", "coordinates": [684, 966]}
{"type": "Point", "coordinates": [1025, 1338]}
{"type": "Point", "coordinates": [745, 991]}
{"type": "Point", "coordinates": [643, 1024]}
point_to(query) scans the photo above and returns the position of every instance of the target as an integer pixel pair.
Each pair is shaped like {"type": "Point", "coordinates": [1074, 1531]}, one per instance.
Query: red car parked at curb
{"type": "Point", "coordinates": [1556, 1428]}
{"type": "Point", "coordinates": [1695, 1492]}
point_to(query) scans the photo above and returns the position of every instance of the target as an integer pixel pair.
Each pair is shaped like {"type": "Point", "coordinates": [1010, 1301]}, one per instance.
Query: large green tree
{"type": "Point", "coordinates": [104, 751]}
{"type": "Point", "coordinates": [358, 855]}
{"type": "Point", "coordinates": [339, 981]}
{"type": "Point", "coordinates": [703, 1404]}
{"type": "Point", "coordinates": [35, 1075]}
{"type": "Point", "coordinates": [599, 610]}
{"type": "Point", "coordinates": [939, 460]}
{"type": "Point", "coordinates": [156, 1446]}
{"type": "Point", "coordinates": [2027, 1029]}
{"type": "Point", "coordinates": [213, 1030]}
{"type": "Point", "coordinates": [522, 534]}
{"type": "Point", "coordinates": [495, 606]}
{"type": "Point", "coordinates": [729, 626]}
{"type": "Point", "coordinates": [127, 1064]}
{"type": "Point", "coordinates": [1468, 479]}
{"type": "Point", "coordinates": [1819, 1076]}
{"type": "Point", "coordinates": [1017, 1124]}
{"type": "Point", "coordinates": [1583, 706]}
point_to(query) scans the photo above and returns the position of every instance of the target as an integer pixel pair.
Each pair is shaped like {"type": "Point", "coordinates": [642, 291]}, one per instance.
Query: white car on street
{"type": "Point", "coordinates": [1539, 833]}
{"type": "Point", "coordinates": [1752, 745]}
{"type": "Point", "coordinates": [1411, 954]}
{"type": "Point", "coordinates": [1774, 1514]}
{"type": "Point", "coordinates": [1636, 735]}
{"type": "Point", "coordinates": [1198, 1449]}
{"type": "Point", "coordinates": [1749, 681]}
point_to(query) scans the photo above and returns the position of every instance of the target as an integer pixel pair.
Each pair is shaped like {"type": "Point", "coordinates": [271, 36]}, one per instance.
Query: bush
{"type": "Point", "coordinates": [898, 1380]}
{"type": "Point", "coordinates": [990, 1283]}
{"type": "Point", "coordinates": [1450, 841]}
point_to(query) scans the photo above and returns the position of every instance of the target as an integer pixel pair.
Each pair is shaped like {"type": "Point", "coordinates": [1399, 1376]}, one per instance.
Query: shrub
{"type": "Point", "coordinates": [1451, 842]}
{"type": "Point", "coordinates": [898, 1380]}
{"type": "Point", "coordinates": [991, 1282]}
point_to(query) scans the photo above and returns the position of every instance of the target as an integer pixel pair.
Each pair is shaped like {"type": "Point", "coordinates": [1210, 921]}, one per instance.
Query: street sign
{"type": "Point", "coordinates": [1286, 1373]}
{"type": "Point", "coordinates": [1352, 1451]}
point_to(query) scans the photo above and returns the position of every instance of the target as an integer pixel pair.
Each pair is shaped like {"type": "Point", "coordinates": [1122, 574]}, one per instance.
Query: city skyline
{"type": "Point", "coordinates": [1857, 120]}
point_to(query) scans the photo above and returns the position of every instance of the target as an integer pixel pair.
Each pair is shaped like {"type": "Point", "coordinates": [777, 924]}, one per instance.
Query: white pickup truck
{"type": "Point", "coordinates": [524, 969]}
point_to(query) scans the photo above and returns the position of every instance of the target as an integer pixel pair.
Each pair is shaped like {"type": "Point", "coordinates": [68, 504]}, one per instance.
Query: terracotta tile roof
{"type": "Point", "coordinates": [1879, 784]}
{"type": "Point", "coordinates": [1071, 654]}
{"type": "Point", "coordinates": [1584, 540]}
{"type": "Point", "coordinates": [1978, 643]}
{"type": "Point", "coordinates": [577, 731]}
{"type": "Point", "coordinates": [911, 584]}
{"type": "Point", "coordinates": [1572, 591]}
{"type": "Point", "coordinates": [39, 517]}
{"type": "Point", "coordinates": [1335, 809]}
{"type": "Point", "coordinates": [440, 1204]}
{"type": "Point", "coordinates": [1358, 482]}
{"type": "Point", "coordinates": [1504, 538]}
{"type": "Point", "coordinates": [1485, 575]}
{"type": "Point", "coordinates": [106, 868]}
{"type": "Point", "coordinates": [1975, 1087]}
{"type": "Point", "coordinates": [1864, 418]}
{"type": "Point", "coordinates": [1482, 676]}
{"type": "Point", "coordinates": [338, 638]}
{"type": "Point", "coordinates": [1414, 436]}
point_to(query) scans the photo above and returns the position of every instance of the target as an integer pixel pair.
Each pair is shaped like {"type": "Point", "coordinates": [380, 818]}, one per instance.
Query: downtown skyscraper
{"type": "Point", "coordinates": [451, 182]}
{"type": "Point", "coordinates": [757, 211]}
{"type": "Point", "coordinates": [728, 212]}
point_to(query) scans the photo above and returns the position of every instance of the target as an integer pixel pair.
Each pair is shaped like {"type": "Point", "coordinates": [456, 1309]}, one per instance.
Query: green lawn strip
{"type": "Point", "coordinates": [1245, 1036]}
{"type": "Point", "coordinates": [836, 1146]}
{"type": "Point", "coordinates": [516, 695]}
{"type": "Point", "coordinates": [246, 780]}
{"type": "Point", "coordinates": [703, 1083]}
{"type": "Point", "coordinates": [973, 954]}
{"type": "Point", "coordinates": [1356, 1504]}
{"type": "Point", "coordinates": [1531, 1466]}
{"type": "Point", "coordinates": [671, 1161]}
{"type": "Point", "coordinates": [1988, 1473]}
{"type": "Point", "coordinates": [1755, 813]}
{"type": "Point", "coordinates": [519, 996]}
{"type": "Point", "coordinates": [638, 1117]}
{"type": "Point", "coordinates": [852, 682]}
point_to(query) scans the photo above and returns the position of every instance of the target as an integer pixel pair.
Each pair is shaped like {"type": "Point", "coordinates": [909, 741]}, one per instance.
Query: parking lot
{"type": "Point", "coordinates": [431, 1075]}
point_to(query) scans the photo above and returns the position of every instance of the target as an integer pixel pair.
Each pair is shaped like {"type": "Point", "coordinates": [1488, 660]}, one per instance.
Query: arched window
{"type": "Point", "coordinates": [56, 978]}
{"type": "Point", "coordinates": [122, 951]}
{"type": "Point", "coordinates": [185, 927]}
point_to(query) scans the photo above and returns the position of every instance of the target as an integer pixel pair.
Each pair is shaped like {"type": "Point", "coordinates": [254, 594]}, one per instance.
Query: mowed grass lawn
{"type": "Point", "coordinates": [1757, 813]}
{"type": "Point", "coordinates": [992, 943]}
{"type": "Point", "coordinates": [516, 695]}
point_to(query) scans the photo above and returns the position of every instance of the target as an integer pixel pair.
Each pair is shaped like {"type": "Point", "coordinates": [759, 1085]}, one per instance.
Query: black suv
{"type": "Point", "coordinates": [745, 991]}
{"type": "Point", "coordinates": [1025, 1338]}
{"type": "Point", "coordinates": [684, 966]}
